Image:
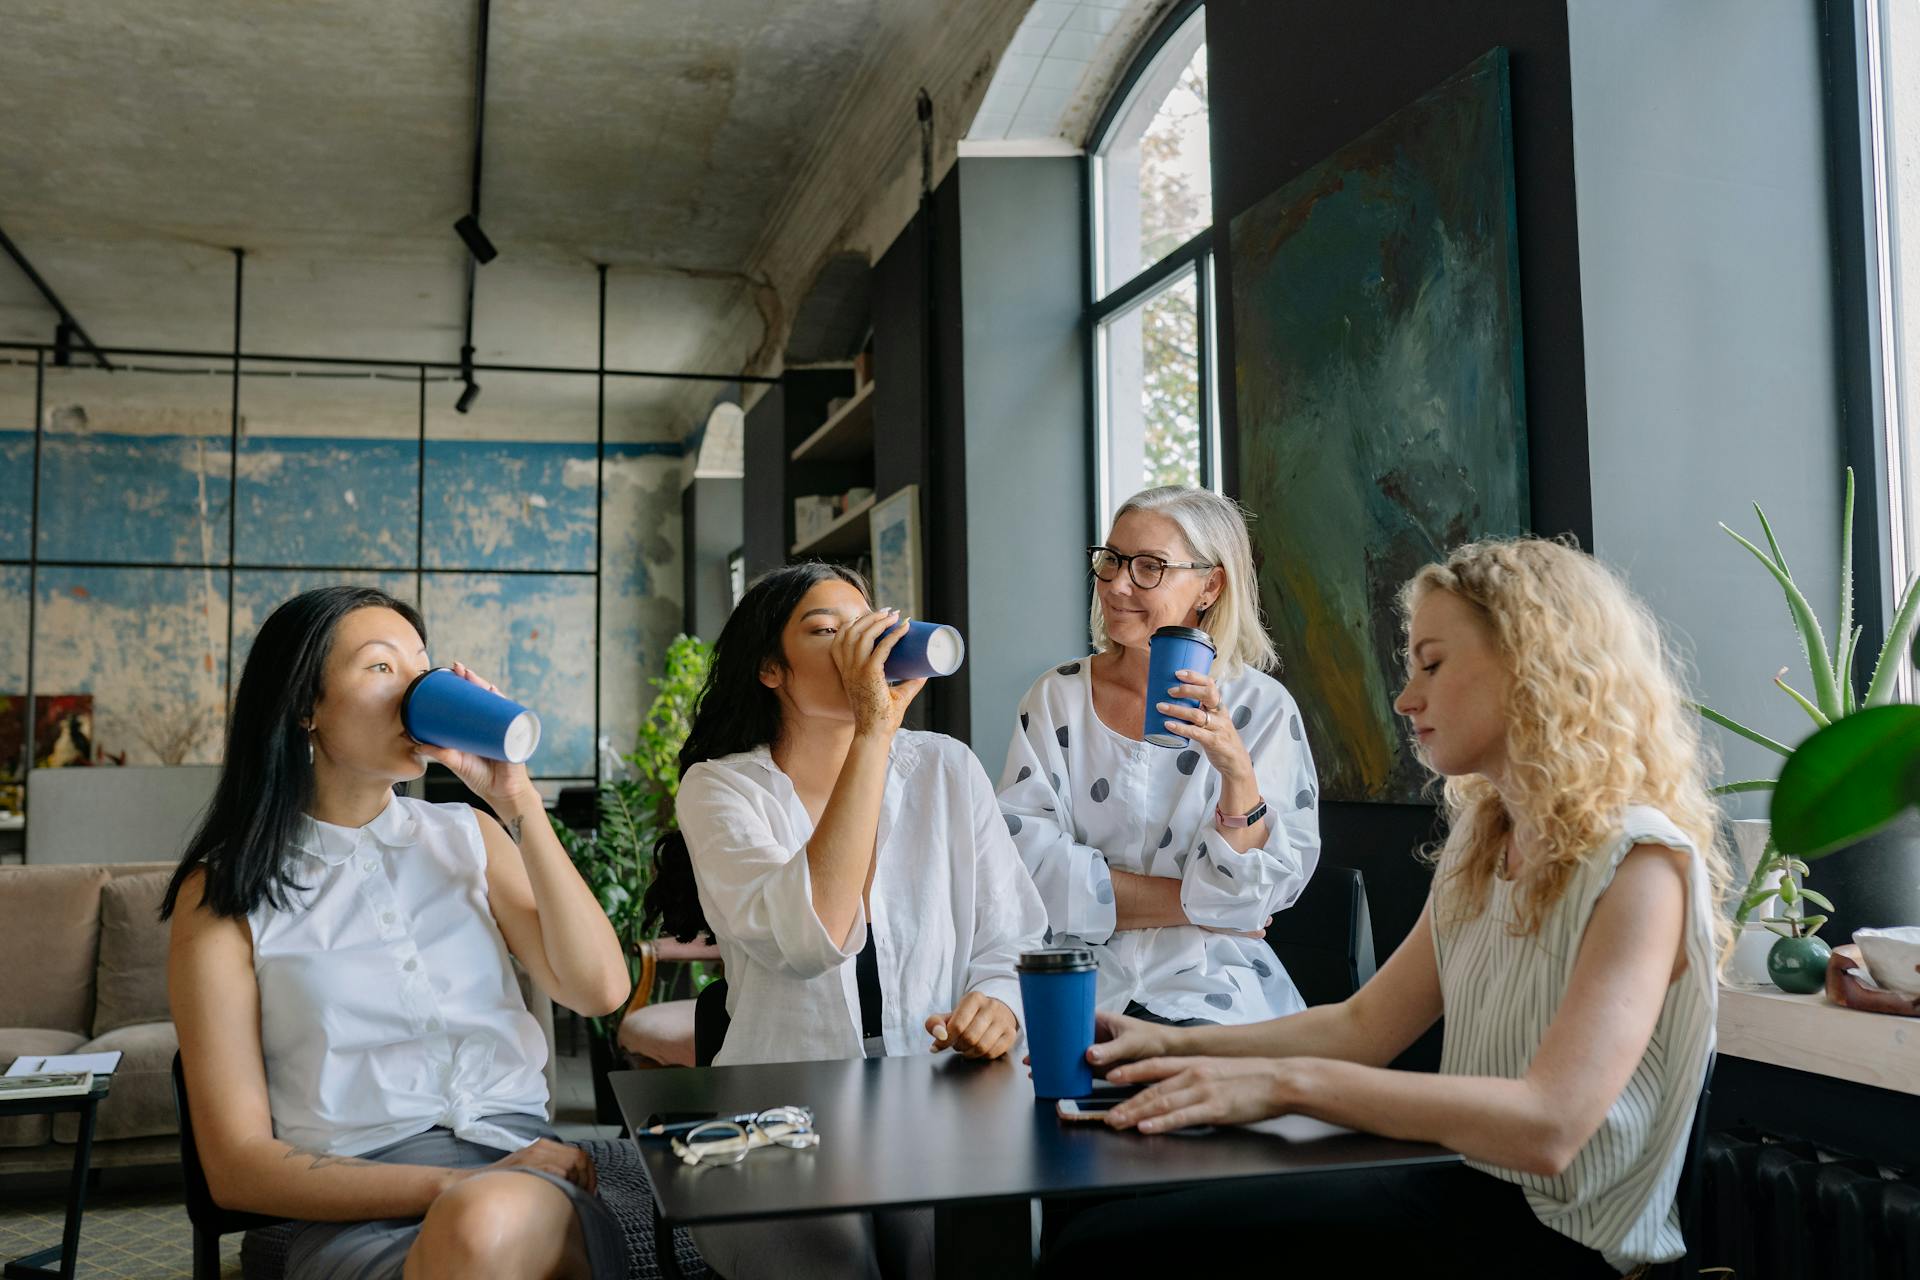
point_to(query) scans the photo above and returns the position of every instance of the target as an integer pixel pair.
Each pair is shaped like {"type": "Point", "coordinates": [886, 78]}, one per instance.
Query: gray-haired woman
{"type": "Point", "coordinates": [1169, 864]}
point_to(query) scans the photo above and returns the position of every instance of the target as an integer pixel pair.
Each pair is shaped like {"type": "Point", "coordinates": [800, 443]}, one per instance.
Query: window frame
{"type": "Point", "coordinates": [1196, 254]}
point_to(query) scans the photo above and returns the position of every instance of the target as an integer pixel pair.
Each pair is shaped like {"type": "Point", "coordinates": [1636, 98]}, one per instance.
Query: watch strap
{"type": "Point", "coordinates": [1232, 822]}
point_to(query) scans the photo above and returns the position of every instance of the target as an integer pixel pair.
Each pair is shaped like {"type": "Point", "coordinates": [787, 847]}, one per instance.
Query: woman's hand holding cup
{"type": "Point", "coordinates": [1209, 726]}
{"type": "Point", "coordinates": [860, 651]}
{"type": "Point", "coordinates": [503, 785]}
{"type": "Point", "coordinates": [1118, 1039]}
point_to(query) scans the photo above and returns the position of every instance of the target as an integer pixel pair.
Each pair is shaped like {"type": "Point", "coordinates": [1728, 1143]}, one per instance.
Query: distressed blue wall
{"type": "Point", "coordinates": [509, 505]}
{"type": "Point", "coordinates": [16, 493]}
{"type": "Point", "coordinates": [330, 502]}
{"type": "Point", "coordinates": [159, 499]}
{"type": "Point", "coordinates": [150, 643]}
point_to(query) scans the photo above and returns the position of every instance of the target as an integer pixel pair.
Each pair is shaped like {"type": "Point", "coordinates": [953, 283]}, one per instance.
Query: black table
{"type": "Point", "coordinates": [59, 1260]}
{"type": "Point", "coordinates": [966, 1138]}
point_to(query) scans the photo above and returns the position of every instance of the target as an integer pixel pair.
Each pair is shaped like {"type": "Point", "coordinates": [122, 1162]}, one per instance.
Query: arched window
{"type": "Point", "coordinates": [1151, 314]}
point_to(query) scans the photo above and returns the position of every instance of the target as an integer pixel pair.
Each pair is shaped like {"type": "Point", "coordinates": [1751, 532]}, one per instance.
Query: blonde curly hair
{"type": "Point", "coordinates": [1597, 720]}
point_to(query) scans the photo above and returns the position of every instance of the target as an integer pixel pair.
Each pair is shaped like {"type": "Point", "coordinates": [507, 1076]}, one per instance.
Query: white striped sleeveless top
{"type": "Point", "coordinates": [1501, 992]}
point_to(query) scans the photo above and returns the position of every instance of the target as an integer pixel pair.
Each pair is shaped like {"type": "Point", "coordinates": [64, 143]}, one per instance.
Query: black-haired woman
{"type": "Point", "coordinates": [821, 839]}
{"type": "Point", "coordinates": [355, 1043]}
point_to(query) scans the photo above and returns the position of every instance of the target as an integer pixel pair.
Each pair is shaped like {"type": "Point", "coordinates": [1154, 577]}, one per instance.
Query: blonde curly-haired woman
{"type": "Point", "coordinates": [1569, 942]}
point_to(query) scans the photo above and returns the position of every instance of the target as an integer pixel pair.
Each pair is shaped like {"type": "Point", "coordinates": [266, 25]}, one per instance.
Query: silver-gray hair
{"type": "Point", "coordinates": [1215, 528]}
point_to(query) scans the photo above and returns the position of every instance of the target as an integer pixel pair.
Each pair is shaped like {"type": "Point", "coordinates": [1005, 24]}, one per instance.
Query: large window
{"type": "Point", "coordinates": [1155, 418]}
{"type": "Point", "coordinates": [1894, 93]}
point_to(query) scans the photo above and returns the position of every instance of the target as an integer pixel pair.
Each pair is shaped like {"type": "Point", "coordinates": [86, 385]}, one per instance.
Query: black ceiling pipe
{"type": "Point", "coordinates": [471, 223]}
{"type": "Point", "coordinates": [69, 327]}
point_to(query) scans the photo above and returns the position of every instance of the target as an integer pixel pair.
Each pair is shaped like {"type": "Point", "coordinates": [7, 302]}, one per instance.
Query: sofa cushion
{"type": "Point", "coordinates": [49, 935]}
{"type": "Point", "coordinates": [29, 1131]}
{"type": "Point", "coordinates": [130, 984]}
{"type": "Point", "coordinates": [140, 1105]}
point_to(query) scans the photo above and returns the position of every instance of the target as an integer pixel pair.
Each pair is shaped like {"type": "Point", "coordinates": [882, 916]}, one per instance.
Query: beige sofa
{"type": "Point", "coordinates": [83, 968]}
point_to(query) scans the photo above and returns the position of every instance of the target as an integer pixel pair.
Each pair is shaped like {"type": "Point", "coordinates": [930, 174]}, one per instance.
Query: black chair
{"type": "Point", "coordinates": [209, 1220]}
{"type": "Point", "coordinates": [710, 1022]}
{"type": "Point", "coordinates": [1687, 1196]}
{"type": "Point", "coordinates": [1326, 938]}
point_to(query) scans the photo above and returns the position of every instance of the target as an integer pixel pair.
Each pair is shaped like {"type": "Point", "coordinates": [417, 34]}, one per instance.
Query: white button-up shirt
{"type": "Point", "coordinates": [1083, 801]}
{"type": "Point", "coordinates": [388, 1003]}
{"type": "Point", "coordinates": [952, 908]}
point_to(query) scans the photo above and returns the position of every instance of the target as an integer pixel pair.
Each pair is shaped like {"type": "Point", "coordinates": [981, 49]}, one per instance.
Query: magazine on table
{"type": "Point", "coordinates": [39, 1064]}
{"type": "Point", "coordinates": [47, 1084]}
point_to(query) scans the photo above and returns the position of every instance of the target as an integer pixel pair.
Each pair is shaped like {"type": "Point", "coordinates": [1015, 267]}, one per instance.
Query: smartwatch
{"type": "Point", "coordinates": [1227, 822]}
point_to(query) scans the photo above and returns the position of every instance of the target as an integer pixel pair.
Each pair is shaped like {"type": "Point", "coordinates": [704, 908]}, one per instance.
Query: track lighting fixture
{"type": "Point", "coordinates": [477, 243]}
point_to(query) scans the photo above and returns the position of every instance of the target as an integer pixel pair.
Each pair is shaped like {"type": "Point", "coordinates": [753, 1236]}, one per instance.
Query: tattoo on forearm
{"type": "Point", "coordinates": [513, 829]}
{"type": "Point", "coordinates": [321, 1160]}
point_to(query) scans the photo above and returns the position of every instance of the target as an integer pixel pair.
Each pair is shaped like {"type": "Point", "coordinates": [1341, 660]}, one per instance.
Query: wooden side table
{"type": "Point", "coordinates": [59, 1259]}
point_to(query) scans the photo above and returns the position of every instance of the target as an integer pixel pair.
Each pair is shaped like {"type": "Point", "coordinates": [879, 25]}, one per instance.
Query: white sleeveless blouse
{"type": "Point", "coordinates": [388, 1004]}
{"type": "Point", "coordinates": [1501, 992]}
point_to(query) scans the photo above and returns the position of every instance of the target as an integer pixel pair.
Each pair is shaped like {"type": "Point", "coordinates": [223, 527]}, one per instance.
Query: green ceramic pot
{"type": "Point", "coordinates": [1799, 965]}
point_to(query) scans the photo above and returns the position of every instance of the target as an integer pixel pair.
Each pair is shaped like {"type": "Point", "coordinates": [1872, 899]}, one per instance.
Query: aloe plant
{"type": "Point", "coordinates": [1833, 698]}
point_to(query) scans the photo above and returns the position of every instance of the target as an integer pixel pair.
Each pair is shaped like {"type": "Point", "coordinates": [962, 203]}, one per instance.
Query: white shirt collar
{"type": "Point", "coordinates": [394, 827]}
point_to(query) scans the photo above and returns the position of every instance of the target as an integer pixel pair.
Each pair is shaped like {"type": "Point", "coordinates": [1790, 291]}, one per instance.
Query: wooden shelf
{"type": "Point", "coordinates": [847, 434]}
{"type": "Point", "coordinates": [845, 536]}
{"type": "Point", "coordinates": [1808, 1034]}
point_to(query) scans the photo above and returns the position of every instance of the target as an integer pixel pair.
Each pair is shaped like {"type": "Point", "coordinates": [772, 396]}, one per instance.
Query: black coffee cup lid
{"type": "Point", "coordinates": [1056, 960]}
{"type": "Point", "coordinates": [1194, 634]}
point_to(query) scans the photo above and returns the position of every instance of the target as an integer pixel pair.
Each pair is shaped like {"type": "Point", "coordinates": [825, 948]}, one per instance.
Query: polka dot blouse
{"type": "Point", "coordinates": [1083, 801]}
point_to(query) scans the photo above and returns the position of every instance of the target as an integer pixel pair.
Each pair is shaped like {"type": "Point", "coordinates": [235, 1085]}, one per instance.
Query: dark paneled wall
{"type": "Point", "coordinates": [1292, 82]}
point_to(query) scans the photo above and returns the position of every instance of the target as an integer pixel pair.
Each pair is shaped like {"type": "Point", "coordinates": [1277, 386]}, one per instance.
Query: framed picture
{"type": "Point", "coordinates": [895, 532]}
{"type": "Point", "coordinates": [736, 575]}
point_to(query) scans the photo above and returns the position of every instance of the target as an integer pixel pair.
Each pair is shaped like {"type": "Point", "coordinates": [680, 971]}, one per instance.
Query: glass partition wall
{"type": "Point", "coordinates": [154, 512]}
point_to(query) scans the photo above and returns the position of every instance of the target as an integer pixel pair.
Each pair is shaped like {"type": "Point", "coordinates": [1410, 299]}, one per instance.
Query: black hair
{"type": "Point", "coordinates": [735, 713]}
{"type": "Point", "coordinates": [266, 785]}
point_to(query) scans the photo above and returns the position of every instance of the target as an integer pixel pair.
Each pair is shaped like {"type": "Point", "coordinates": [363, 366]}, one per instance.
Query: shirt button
{"type": "Point", "coordinates": [411, 965]}
{"type": "Point", "coordinates": [433, 1024]}
{"type": "Point", "coordinates": [386, 917]}
{"type": "Point", "coordinates": [366, 864]}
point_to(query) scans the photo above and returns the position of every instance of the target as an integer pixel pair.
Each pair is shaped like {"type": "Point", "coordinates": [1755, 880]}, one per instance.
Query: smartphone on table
{"type": "Point", "coordinates": [1093, 1107]}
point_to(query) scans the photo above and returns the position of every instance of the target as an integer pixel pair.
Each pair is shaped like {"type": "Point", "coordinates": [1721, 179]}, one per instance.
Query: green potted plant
{"type": "Point", "coordinates": [634, 811]}
{"type": "Point", "coordinates": [1797, 960]}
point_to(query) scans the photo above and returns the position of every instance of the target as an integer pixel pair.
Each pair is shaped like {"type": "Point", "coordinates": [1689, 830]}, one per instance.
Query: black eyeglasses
{"type": "Point", "coordinates": [1145, 570]}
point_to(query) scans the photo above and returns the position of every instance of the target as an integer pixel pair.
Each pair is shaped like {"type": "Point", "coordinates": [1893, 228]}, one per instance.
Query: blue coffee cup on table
{"type": "Point", "coordinates": [927, 649]}
{"type": "Point", "coordinates": [1056, 998]}
{"type": "Point", "coordinates": [442, 709]}
{"type": "Point", "coordinates": [1175, 649]}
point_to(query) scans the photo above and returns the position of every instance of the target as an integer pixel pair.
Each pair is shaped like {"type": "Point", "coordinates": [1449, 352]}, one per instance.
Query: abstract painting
{"type": "Point", "coordinates": [1376, 313]}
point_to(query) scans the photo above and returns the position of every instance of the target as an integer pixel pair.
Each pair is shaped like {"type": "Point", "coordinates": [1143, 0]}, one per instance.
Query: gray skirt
{"type": "Point", "coordinates": [377, 1250]}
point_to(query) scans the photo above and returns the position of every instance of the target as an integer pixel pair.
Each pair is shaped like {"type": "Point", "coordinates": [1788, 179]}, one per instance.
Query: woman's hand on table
{"type": "Point", "coordinates": [1190, 1091]}
{"type": "Point", "coordinates": [978, 1027]}
{"type": "Point", "coordinates": [1118, 1038]}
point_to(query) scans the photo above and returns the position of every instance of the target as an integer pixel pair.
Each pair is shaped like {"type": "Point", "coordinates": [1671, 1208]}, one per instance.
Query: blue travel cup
{"type": "Point", "coordinates": [1056, 995]}
{"type": "Point", "coordinates": [1174, 649]}
{"type": "Point", "coordinates": [444, 710]}
{"type": "Point", "coordinates": [928, 649]}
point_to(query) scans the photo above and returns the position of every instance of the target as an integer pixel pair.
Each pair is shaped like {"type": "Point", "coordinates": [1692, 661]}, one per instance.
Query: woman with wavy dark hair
{"type": "Point", "coordinates": [858, 876]}
{"type": "Point", "coordinates": [355, 1043]}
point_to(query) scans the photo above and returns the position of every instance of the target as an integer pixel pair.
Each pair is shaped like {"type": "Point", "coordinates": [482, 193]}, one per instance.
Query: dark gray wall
{"type": "Point", "coordinates": [1290, 84]}
{"type": "Point", "coordinates": [1023, 376]}
{"type": "Point", "coordinates": [1707, 278]}
{"type": "Point", "coordinates": [713, 513]}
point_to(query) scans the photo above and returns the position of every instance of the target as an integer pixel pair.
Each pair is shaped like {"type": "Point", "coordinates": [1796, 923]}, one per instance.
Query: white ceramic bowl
{"type": "Point", "coordinates": [1892, 956]}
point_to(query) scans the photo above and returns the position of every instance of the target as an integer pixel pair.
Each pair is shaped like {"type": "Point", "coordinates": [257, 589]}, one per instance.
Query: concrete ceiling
{"type": "Point", "coordinates": [714, 154]}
